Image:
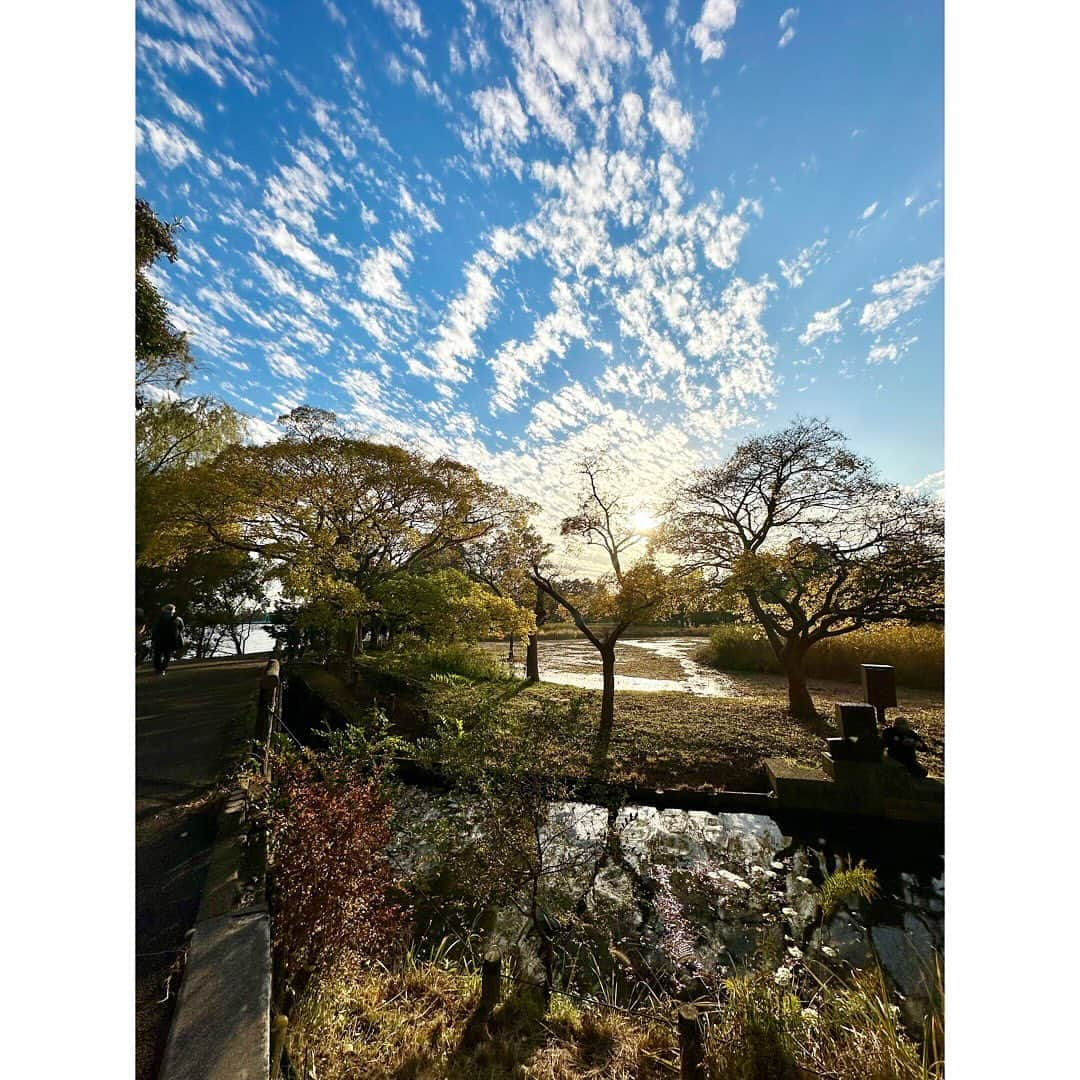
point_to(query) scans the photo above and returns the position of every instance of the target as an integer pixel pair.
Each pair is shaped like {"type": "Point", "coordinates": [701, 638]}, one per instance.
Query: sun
{"type": "Point", "coordinates": [643, 521]}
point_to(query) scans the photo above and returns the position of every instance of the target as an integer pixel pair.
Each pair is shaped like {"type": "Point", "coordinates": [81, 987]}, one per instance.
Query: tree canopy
{"type": "Point", "coordinates": [333, 517]}
{"type": "Point", "coordinates": [162, 358]}
{"type": "Point", "coordinates": [810, 541]}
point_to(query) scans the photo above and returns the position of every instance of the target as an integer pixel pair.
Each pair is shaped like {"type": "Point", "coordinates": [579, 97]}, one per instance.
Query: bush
{"type": "Point", "coordinates": [329, 833]}
{"type": "Point", "coordinates": [917, 653]}
{"type": "Point", "coordinates": [414, 662]}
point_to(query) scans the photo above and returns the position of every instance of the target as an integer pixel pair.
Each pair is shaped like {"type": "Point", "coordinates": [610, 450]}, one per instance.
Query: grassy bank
{"type": "Point", "coordinates": [668, 739]}
{"type": "Point", "coordinates": [917, 653]}
{"type": "Point", "coordinates": [665, 739]}
{"type": "Point", "coordinates": [414, 1021]}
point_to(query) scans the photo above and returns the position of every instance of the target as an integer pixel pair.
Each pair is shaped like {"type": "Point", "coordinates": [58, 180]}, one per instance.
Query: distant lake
{"type": "Point", "coordinates": [258, 641]}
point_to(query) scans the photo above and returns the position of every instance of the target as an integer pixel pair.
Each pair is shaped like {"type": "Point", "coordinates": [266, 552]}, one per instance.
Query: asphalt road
{"type": "Point", "coordinates": [188, 725]}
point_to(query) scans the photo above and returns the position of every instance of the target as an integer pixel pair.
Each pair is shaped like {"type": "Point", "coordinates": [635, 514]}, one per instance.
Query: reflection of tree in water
{"type": "Point", "coordinates": [667, 902]}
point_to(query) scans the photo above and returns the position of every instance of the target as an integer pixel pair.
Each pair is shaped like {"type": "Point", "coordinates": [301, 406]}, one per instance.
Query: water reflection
{"type": "Point", "coordinates": [641, 664]}
{"type": "Point", "coordinates": [674, 900]}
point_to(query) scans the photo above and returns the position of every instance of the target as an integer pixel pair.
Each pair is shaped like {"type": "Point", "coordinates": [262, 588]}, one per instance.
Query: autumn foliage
{"type": "Point", "coordinates": [333, 885]}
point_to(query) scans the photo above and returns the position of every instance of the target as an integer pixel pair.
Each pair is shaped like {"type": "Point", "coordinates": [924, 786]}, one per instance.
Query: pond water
{"type": "Point", "coordinates": [665, 663]}
{"type": "Point", "coordinates": [676, 900]}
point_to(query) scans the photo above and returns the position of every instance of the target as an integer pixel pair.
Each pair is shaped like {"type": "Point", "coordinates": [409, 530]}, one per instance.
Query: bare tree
{"type": "Point", "coordinates": [811, 541]}
{"type": "Point", "coordinates": [625, 597]}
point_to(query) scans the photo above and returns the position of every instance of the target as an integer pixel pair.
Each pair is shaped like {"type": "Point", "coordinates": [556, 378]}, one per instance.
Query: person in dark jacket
{"type": "Point", "coordinates": [166, 637]}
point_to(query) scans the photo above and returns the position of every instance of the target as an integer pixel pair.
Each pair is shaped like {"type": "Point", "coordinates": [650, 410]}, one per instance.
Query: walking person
{"type": "Point", "coordinates": [166, 637]}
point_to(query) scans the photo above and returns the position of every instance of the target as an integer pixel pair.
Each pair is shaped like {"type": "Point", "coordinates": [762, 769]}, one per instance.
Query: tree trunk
{"type": "Point", "coordinates": [532, 658]}
{"type": "Point", "coordinates": [607, 700]}
{"type": "Point", "coordinates": [510, 654]}
{"type": "Point", "coordinates": [532, 651]}
{"type": "Point", "coordinates": [800, 703]}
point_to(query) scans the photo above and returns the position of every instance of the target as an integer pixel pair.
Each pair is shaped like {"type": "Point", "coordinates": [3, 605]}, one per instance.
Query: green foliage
{"type": "Point", "coordinates": [178, 434]}
{"type": "Point", "coordinates": [843, 885]}
{"type": "Point", "coordinates": [161, 351]}
{"type": "Point", "coordinates": [917, 653]}
{"type": "Point", "coordinates": [415, 662]}
{"type": "Point", "coordinates": [368, 745]}
{"type": "Point", "coordinates": [445, 605]}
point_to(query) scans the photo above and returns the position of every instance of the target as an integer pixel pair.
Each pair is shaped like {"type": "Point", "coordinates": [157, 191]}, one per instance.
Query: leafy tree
{"type": "Point", "coordinates": [161, 351]}
{"type": "Point", "coordinates": [501, 560]}
{"type": "Point", "coordinates": [216, 592]}
{"type": "Point", "coordinates": [624, 597]}
{"type": "Point", "coordinates": [181, 433]}
{"type": "Point", "coordinates": [445, 605]}
{"type": "Point", "coordinates": [330, 516]}
{"type": "Point", "coordinates": [803, 535]}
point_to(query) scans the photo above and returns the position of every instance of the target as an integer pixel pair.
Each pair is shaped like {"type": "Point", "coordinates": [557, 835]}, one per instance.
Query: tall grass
{"type": "Point", "coordinates": [848, 1029]}
{"type": "Point", "coordinates": [917, 653]}
{"type": "Point", "coordinates": [412, 1019]}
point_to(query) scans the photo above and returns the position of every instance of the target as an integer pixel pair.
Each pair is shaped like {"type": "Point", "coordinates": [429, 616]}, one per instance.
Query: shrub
{"type": "Point", "coordinates": [917, 653]}
{"type": "Point", "coordinates": [414, 662]}
{"type": "Point", "coordinates": [329, 833]}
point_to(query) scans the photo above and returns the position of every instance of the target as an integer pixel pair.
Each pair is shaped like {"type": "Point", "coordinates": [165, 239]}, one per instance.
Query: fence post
{"type": "Point", "coordinates": [491, 979]}
{"type": "Point", "coordinates": [691, 1044]}
{"type": "Point", "coordinates": [269, 706]}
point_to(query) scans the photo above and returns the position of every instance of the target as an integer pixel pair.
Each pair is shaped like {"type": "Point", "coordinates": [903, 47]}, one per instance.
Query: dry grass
{"type": "Point", "coordinates": [917, 653]}
{"type": "Point", "coordinates": [676, 740]}
{"type": "Point", "coordinates": [417, 1022]}
{"type": "Point", "coordinates": [413, 1023]}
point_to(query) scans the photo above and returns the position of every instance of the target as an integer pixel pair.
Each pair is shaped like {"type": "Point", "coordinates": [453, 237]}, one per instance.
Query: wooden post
{"type": "Point", "coordinates": [691, 1044]}
{"type": "Point", "coordinates": [279, 1028]}
{"type": "Point", "coordinates": [491, 980]}
{"type": "Point", "coordinates": [269, 705]}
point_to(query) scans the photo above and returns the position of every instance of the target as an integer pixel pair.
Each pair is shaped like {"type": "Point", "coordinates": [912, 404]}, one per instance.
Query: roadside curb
{"type": "Point", "coordinates": [221, 1026]}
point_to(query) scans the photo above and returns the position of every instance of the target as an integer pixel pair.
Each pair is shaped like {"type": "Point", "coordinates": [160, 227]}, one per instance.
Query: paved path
{"type": "Point", "coordinates": [187, 726]}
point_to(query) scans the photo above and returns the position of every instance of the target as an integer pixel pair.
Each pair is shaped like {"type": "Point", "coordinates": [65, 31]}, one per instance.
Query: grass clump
{"type": "Point", "coordinates": [858, 881]}
{"type": "Point", "coordinates": [847, 1030]}
{"type": "Point", "coordinates": [917, 653]}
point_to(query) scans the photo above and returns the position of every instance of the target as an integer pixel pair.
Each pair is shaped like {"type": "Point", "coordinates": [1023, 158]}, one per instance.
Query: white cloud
{"type": "Point", "coordinates": [787, 26]}
{"type": "Point", "coordinates": [565, 57]}
{"type": "Point", "coordinates": [717, 18]}
{"type": "Point", "coordinates": [927, 207]}
{"type": "Point", "coordinates": [334, 12]}
{"type": "Point", "coordinates": [900, 293]}
{"type": "Point", "coordinates": [416, 209]}
{"type": "Point", "coordinates": [503, 126]}
{"type": "Point", "coordinates": [804, 264]}
{"type": "Point", "coordinates": [221, 38]}
{"type": "Point", "coordinates": [168, 143]}
{"type": "Point", "coordinates": [932, 484]}
{"type": "Point", "coordinates": [824, 322]}
{"type": "Point", "coordinates": [869, 211]}
{"type": "Point", "coordinates": [378, 276]}
{"type": "Point", "coordinates": [405, 15]}
{"type": "Point", "coordinates": [286, 366]}
{"type": "Point", "coordinates": [631, 109]}
{"type": "Point", "coordinates": [671, 120]}
{"type": "Point", "coordinates": [278, 236]}
{"type": "Point", "coordinates": [518, 361]}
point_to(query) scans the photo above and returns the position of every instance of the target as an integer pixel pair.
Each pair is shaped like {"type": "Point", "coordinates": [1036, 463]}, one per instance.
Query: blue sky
{"type": "Point", "coordinates": [513, 230]}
